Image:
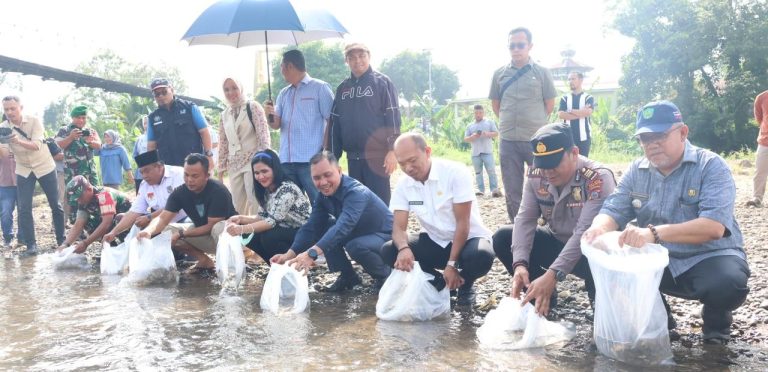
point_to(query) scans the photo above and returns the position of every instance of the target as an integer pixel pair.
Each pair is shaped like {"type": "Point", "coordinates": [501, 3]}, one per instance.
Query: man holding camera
{"type": "Point", "coordinates": [480, 135]}
{"type": "Point", "coordinates": [78, 143]}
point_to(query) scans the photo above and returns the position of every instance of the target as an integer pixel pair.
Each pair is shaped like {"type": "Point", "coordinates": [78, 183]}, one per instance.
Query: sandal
{"type": "Point", "coordinates": [200, 270]}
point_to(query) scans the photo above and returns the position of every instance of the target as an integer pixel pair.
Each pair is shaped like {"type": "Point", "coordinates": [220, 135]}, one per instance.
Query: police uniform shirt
{"type": "Point", "coordinates": [154, 197]}
{"type": "Point", "coordinates": [567, 213]}
{"type": "Point", "coordinates": [432, 201]}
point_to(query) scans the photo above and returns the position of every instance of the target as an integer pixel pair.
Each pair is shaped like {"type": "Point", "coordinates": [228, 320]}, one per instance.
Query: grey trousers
{"type": "Point", "coordinates": [512, 156]}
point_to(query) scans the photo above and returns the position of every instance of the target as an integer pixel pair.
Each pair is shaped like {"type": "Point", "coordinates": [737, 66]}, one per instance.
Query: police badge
{"type": "Point", "coordinates": [576, 193]}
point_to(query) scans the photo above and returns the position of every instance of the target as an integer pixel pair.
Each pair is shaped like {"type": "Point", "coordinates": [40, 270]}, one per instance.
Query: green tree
{"type": "Point", "coordinates": [409, 72]}
{"type": "Point", "coordinates": [323, 61]}
{"type": "Point", "coordinates": [707, 56]}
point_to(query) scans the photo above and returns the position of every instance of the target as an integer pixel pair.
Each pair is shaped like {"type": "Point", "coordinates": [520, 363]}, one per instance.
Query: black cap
{"type": "Point", "coordinates": [159, 83]}
{"type": "Point", "coordinates": [550, 143]}
{"type": "Point", "coordinates": [147, 158]}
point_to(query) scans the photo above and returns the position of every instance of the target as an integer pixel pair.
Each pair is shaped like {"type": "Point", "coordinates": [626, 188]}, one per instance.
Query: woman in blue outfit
{"type": "Point", "coordinates": [284, 208]}
{"type": "Point", "coordinates": [114, 160]}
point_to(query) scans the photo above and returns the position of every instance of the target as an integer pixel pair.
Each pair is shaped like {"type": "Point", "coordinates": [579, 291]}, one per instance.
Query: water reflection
{"type": "Point", "coordinates": [75, 320]}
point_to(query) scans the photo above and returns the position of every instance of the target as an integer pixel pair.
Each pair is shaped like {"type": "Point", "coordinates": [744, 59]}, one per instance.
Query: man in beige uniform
{"type": "Point", "coordinates": [562, 195]}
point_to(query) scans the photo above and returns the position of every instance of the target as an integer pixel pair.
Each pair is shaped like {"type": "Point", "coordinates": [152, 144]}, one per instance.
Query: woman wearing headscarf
{"type": "Point", "coordinates": [114, 160]}
{"type": "Point", "coordinates": [242, 133]}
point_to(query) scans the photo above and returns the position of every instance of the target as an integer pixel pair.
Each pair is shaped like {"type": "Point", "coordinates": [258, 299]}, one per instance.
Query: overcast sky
{"type": "Point", "coordinates": [468, 37]}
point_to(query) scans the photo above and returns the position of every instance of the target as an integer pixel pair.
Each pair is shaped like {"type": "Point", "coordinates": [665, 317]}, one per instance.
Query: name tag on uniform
{"type": "Point", "coordinates": [416, 202]}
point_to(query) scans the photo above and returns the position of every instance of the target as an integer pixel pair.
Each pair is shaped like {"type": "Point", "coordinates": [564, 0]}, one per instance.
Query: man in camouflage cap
{"type": "Point", "coordinates": [99, 209]}
{"type": "Point", "coordinates": [78, 143]}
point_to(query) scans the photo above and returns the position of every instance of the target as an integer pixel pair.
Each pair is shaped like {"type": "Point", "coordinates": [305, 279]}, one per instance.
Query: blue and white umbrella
{"type": "Point", "coordinates": [240, 23]}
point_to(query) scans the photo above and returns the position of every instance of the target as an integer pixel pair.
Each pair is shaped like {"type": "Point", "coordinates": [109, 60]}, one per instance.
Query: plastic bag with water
{"type": "Point", "coordinates": [630, 319]}
{"type": "Point", "coordinates": [286, 290]}
{"type": "Point", "coordinates": [511, 327]}
{"type": "Point", "coordinates": [114, 260]}
{"type": "Point", "coordinates": [150, 261]}
{"type": "Point", "coordinates": [408, 297]}
{"type": "Point", "coordinates": [230, 261]}
{"type": "Point", "coordinates": [67, 259]}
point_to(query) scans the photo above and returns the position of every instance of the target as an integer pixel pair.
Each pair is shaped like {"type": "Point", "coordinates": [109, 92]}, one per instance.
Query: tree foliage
{"type": "Point", "coordinates": [323, 61]}
{"type": "Point", "coordinates": [409, 72]}
{"type": "Point", "coordinates": [707, 56]}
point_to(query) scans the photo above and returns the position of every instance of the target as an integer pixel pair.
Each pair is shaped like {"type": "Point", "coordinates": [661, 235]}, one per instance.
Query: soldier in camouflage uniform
{"type": "Point", "coordinates": [562, 195]}
{"type": "Point", "coordinates": [99, 210]}
{"type": "Point", "coordinates": [78, 144]}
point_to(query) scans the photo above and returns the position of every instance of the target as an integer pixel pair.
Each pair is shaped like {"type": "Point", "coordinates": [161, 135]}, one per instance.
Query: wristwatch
{"type": "Point", "coordinates": [559, 275]}
{"type": "Point", "coordinates": [181, 234]}
{"type": "Point", "coordinates": [208, 152]}
{"type": "Point", "coordinates": [312, 253]}
{"type": "Point", "coordinates": [451, 264]}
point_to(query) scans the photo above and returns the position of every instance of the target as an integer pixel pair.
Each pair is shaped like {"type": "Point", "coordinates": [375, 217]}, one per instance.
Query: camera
{"type": "Point", "coordinates": [479, 132]}
{"type": "Point", "coordinates": [86, 132]}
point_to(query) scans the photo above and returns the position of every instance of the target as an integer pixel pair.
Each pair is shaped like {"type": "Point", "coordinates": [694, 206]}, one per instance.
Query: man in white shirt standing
{"type": "Point", "coordinates": [453, 236]}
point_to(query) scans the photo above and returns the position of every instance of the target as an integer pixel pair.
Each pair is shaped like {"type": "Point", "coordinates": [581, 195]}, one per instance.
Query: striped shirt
{"type": "Point", "coordinates": [303, 111]}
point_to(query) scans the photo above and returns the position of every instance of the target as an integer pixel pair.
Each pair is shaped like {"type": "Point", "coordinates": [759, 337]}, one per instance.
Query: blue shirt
{"type": "Point", "coordinates": [351, 212]}
{"type": "Point", "coordinates": [113, 161]}
{"type": "Point", "coordinates": [702, 186]}
{"type": "Point", "coordinates": [303, 111]}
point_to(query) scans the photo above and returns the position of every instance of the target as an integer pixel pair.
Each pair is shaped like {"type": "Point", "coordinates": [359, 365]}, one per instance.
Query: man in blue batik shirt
{"type": "Point", "coordinates": [346, 216]}
{"type": "Point", "coordinates": [683, 198]}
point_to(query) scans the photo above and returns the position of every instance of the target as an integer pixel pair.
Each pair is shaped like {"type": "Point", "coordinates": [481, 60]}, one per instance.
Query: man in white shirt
{"type": "Point", "coordinates": [159, 181]}
{"type": "Point", "coordinates": [453, 236]}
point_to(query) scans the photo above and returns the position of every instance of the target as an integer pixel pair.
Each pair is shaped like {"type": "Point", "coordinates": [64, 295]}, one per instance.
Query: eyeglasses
{"type": "Point", "coordinates": [160, 92]}
{"type": "Point", "coordinates": [521, 45]}
{"type": "Point", "coordinates": [645, 139]}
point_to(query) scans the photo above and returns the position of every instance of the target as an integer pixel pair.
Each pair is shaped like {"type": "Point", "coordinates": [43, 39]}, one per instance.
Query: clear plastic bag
{"type": "Point", "coordinates": [408, 297]}
{"type": "Point", "coordinates": [114, 260]}
{"type": "Point", "coordinates": [285, 291]}
{"type": "Point", "coordinates": [511, 327]}
{"type": "Point", "coordinates": [230, 261]}
{"type": "Point", "coordinates": [630, 319]}
{"type": "Point", "coordinates": [67, 259]}
{"type": "Point", "coordinates": [150, 261]}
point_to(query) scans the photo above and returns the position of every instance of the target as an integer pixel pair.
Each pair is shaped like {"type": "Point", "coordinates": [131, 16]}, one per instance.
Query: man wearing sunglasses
{"type": "Point", "coordinates": [522, 97]}
{"type": "Point", "coordinates": [177, 128]}
{"type": "Point", "coordinates": [682, 197]}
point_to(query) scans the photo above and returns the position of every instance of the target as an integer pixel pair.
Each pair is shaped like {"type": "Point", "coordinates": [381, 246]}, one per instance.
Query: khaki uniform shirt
{"type": "Point", "coordinates": [39, 162]}
{"type": "Point", "coordinates": [567, 214]}
{"type": "Point", "coordinates": [522, 110]}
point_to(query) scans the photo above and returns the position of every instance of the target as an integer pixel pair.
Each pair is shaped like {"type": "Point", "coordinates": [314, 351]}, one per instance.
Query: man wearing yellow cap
{"type": "Point", "coordinates": [562, 195]}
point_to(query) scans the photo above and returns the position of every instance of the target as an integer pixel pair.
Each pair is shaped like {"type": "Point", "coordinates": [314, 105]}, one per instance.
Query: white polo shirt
{"type": "Point", "coordinates": [155, 196]}
{"type": "Point", "coordinates": [432, 202]}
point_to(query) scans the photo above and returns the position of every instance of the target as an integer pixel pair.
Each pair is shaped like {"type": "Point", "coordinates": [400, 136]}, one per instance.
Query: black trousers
{"type": "Point", "coordinates": [545, 250]}
{"type": "Point", "coordinates": [276, 240]}
{"type": "Point", "coordinates": [371, 173]}
{"type": "Point", "coordinates": [720, 283]}
{"type": "Point", "coordinates": [475, 260]}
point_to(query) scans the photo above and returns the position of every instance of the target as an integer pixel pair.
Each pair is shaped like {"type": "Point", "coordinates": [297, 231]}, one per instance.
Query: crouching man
{"type": "Point", "coordinates": [207, 202]}
{"type": "Point", "coordinates": [99, 209]}
{"type": "Point", "coordinates": [453, 236]}
{"type": "Point", "coordinates": [683, 198]}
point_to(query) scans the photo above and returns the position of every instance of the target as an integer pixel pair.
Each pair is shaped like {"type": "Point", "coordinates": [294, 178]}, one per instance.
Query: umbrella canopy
{"type": "Point", "coordinates": [240, 23]}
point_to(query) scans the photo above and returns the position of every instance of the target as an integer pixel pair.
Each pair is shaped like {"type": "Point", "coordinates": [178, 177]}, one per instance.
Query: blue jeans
{"type": "Point", "coordinates": [299, 174]}
{"type": "Point", "coordinates": [26, 189]}
{"type": "Point", "coordinates": [485, 160]}
{"type": "Point", "coordinates": [7, 205]}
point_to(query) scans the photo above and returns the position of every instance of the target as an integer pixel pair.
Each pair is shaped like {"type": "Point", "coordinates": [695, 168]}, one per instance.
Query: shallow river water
{"type": "Point", "coordinates": [80, 320]}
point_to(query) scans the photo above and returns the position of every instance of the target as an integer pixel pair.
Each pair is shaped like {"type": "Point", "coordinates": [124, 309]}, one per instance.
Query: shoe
{"type": "Point", "coordinates": [479, 193]}
{"type": "Point", "coordinates": [497, 193]}
{"type": "Point", "coordinates": [31, 251]}
{"type": "Point", "coordinates": [466, 295]}
{"type": "Point", "coordinates": [716, 341]}
{"type": "Point", "coordinates": [343, 283]}
{"type": "Point", "coordinates": [755, 202]}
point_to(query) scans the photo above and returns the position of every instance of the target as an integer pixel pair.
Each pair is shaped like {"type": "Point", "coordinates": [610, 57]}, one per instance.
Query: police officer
{"type": "Point", "coordinates": [562, 195]}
